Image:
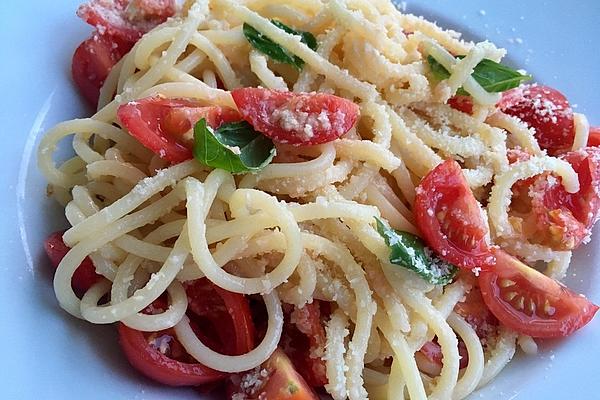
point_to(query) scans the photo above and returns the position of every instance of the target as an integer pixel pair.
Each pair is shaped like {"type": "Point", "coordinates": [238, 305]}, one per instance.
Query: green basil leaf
{"type": "Point", "coordinates": [492, 76]}
{"type": "Point", "coordinates": [235, 147]}
{"type": "Point", "coordinates": [277, 53]}
{"type": "Point", "coordinates": [409, 251]}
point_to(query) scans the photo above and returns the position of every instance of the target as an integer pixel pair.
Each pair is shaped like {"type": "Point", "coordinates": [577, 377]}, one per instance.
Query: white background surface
{"type": "Point", "coordinates": [49, 355]}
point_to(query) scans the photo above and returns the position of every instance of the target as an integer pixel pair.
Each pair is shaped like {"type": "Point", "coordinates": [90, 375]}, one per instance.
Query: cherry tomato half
{"type": "Point", "coordinates": [449, 217]}
{"type": "Point", "coordinates": [296, 118]}
{"type": "Point", "coordinates": [531, 303]}
{"type": "Point", "coordinates": [547, 111]}
{"type": "Point", "coordinates": [85, 275]}
{"type": "Point", "coordinates": [160, 124]}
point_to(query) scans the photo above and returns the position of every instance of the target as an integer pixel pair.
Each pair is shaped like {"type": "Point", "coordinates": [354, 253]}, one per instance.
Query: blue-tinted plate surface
{"type": "Point", "coordinates": [49, 355]}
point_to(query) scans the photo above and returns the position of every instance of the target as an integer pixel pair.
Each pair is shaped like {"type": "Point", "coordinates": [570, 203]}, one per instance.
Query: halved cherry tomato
{"type": "Point", "coordinates": [531, 303]}
{"type": "Point", "coordinates": [92, 61]}
{"type": "Point", "coordinates": [296, 118]}
{"type": "Point", "coordinates": [228, 312]}
{"type": "Point", "coordinates": [594, 137]}
{"type": "Point", "coordinates": [119, 24]}
{"type": "Point", "coordinates": [158, 357]}
{"type": "Point", "coordinates": [449, 217]}
{"type": "Point", "coordinates": [126, 19]}
{"type": "Point", "coordinates": [585, 204]}
{"type": "Point", "coordinates": [553, 217]}
{"type": "Point", "coordinates": [462, 103]}
{"type": "Point", "coordinates": [85, 275]}
{"type": "Point", "coordinates": [159, 124]}
{"type": "Point", "coordinates": [275, 379]}
{"type": "Point", "coordinates": [547, 111]}
{"type": "Point", "coordinates": [304, 340]}
{"type": "Point", "coordinates": [220, 318]}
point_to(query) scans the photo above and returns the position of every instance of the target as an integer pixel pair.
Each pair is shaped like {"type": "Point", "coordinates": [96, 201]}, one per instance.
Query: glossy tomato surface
{"type": "Point", "coordinates": [532, 303]}
{"type": "Point", "coordinates": [450, 218]}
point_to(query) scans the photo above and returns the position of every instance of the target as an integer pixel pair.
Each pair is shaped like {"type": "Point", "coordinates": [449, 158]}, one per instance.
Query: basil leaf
{"type": "Point", "coordinates": [277, 53]}
{"type": "Point", "coordinates": [409, 251]}
{"type": "Point", "coordinates": [235, 147]}
{"type": "Point", "coordinates": [492, 76]}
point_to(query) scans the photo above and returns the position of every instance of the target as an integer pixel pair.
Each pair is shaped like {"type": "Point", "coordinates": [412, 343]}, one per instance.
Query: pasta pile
{"type": "Point", "coordinates": [303, 228]}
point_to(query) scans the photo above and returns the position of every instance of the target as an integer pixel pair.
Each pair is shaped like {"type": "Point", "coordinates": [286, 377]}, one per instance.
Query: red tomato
{"type": "Point", "coordinates": [159, 124]}
{"type": "Point", "coordinates": [303, 341]}
{"type": "Point", "coordinates": [462, 103]}
{"type": "Point", "coordinates": [85, 275]}
{"type": "Point", "coordinates": [531, 303]}
{"type": "Point", "coordinates": [160, 357]}
{"type": "Point", "coordinates": [126, 19]}
{"type": "Point", "coordinates": [296, 118]}
{"type": "Point", "coordinates": [594, 138]}
{"type": "Point", "coordinates": [546, 110]}
{"type": "Point", "coordinates": [228, 312]}
{"type": "Point", "coordinates": [430, 357]}
{"type": "Point", "coordinates": [474, 310]}
{"type": "Point", "coordinates": [585, 204]}
{"type": "Point", "coordinates": [563, 220]}
{"type": "Point", "coordinates": [517, 155]}
{"type": "Point", "coordinates": [92, 61]}
{"type": "Point", "coordinates": [275, 379]}
{"type": "Point", "coordinates": [450, 219]}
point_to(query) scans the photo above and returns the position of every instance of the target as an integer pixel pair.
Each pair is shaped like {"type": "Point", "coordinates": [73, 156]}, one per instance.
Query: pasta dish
{"type": "Point", "coordinates": [275, 200]}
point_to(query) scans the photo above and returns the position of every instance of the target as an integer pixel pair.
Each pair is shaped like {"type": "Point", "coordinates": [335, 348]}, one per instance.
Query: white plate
{"type": "Point", "coordinates": [49, 355]}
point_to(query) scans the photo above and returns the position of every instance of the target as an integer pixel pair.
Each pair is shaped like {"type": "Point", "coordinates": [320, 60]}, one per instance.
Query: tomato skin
{"type": "Point", "coordinates": [449, 218]}
{"type": "Point", "coordinates": [594, 137]}
{"type": "Point", "coordinates": [85, 275]}
{"type": "Point", "coordinates": [229, 312]}
{"type": "Point", "coordinates": [159, 123]}
{"type": "Point", "coordinates": [159, 367]}
{"type": "Point", "coordinates": [231, 332]}
{"type": "Point", "coordinates": [279, 381]}
{"type": "Point", "coordinates": [296, 118]}
{"type": "Point", "coordinates": [547, 111]}
{"type": "Point", "coordinates": [558, 311]}
{"type": "Point", "coordinates": [92, 62]}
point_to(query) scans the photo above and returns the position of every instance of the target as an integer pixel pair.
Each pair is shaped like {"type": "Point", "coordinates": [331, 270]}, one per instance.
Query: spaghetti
{"type": "Point", "coordinates": [302, 229]}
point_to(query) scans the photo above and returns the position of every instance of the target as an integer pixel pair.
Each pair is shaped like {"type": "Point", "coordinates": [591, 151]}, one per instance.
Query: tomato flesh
{"type": "Point", "coordinates": [547, 111]}
{"type": "Point", "coordinates": [474, 310]}
{"type": "Point", "coordinates": [228, 312]}
{"type": "Point", "coordinates": [430, 358]}
{"type": "Point", "coordinates": [275, 379]}
{"type": "Point", "coordinates": [159, 124]}
{"type": "Point", "coordinates": [552, 216]}
{"type": "Point", "coordinates": [304, 340]}
{"type": "Point", "coordinates": [449, 217]}
{"type": "Point", "coordinates": [296, 118]}
{"type": "Point", "coordinates": [126, 19]}
{"type": "Point", "coordinates": [85, 275]}
{"type": "Point", "coordinates": [531, 303]}
{"type": "Point", "coordinates": [462, 103]}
